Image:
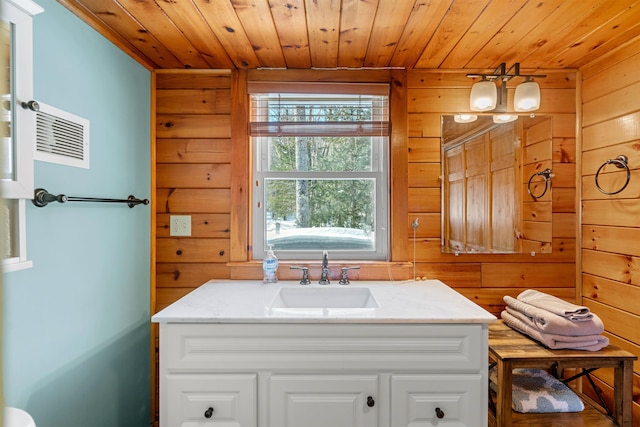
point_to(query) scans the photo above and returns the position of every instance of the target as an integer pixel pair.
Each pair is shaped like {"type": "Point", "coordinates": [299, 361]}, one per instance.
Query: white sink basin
{"type": "Point", "coordinates": [330, 297]}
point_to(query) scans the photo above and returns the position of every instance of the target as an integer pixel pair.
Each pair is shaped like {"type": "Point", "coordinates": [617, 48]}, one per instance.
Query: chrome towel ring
{"type": "Point", "coordinates": [546, 175]}
{"type": "Point", "coordinates": [621, 162]}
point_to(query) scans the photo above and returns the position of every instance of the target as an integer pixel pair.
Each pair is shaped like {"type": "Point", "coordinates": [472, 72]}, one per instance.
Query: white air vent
{"type": "Point", "coordinates": [61, 137]}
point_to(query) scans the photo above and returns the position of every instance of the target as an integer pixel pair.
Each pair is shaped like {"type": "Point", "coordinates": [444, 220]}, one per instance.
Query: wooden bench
{"type": "Point", "coordinates": [510, 349]}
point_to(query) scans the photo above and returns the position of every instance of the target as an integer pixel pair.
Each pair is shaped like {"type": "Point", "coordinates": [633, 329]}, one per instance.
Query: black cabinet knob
{"type": "Point", "coordinates": [439, 413]}
{"type": "Point", "coordinates": [370, 402]}
{"type": "Point", "coordinates": [208, 413]}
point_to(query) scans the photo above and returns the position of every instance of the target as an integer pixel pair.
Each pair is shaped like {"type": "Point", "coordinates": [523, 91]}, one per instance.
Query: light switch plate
{"type": "Point", "coordinates": [180, 225]}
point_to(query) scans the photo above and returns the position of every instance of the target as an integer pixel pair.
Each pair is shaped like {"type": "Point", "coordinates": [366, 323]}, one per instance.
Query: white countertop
{"type": "Point", "coordinates": [249, 301]}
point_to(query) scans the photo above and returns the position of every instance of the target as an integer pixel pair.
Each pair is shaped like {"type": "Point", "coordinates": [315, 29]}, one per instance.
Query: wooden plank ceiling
{"type": "Point", "coordinates": [329, 34]}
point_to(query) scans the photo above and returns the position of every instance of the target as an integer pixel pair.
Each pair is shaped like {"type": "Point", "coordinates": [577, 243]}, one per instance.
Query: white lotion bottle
{"type": "Point", "coordinates": [270, 267]}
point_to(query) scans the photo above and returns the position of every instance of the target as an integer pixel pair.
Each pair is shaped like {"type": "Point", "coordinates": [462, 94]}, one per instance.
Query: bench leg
{"type": "Point", "coordinates": [623, 393]}
{"type": "Point", "coordinates": [504, 372]}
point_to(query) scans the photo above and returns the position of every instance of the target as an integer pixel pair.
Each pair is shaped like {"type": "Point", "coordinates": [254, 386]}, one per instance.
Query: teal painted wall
{"type": "Point", "coordinates": [76, 325]}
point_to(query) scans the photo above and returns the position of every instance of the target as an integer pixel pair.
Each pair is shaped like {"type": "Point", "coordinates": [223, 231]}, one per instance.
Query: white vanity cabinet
{"type": "Point", "coordinates": [210, 400]}
{"type": "Point", "coordinates": [323, 374]}
{"type": "Point", "coordinates": [441, 400]}
{"type": "Point", "coordinates": [342, 400]}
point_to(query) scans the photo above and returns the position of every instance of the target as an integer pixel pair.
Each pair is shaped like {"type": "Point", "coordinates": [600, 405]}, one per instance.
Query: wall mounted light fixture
{"type": "Point", "coordinates": [486, 95]}
{"type": "Point", "coordinates": [527, 96]}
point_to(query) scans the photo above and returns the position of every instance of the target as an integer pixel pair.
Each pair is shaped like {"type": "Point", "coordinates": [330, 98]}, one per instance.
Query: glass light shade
{"type": "Point", "coordinates": [527, 96]}
{"type": "Point", "coordinates": [504, 118]}
{"type": "Point", "coordinates": [484, 96]}
{"type": "Point", "coordinates": [465, 118]}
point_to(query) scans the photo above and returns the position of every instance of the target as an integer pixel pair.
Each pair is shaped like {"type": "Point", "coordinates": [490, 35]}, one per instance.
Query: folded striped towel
{"type": "Point", "coordinates": [555, 305]}
{"type": "Point", "coordinates": [553, 341]}
{"type": "Point", "coordinates": [548, 322]}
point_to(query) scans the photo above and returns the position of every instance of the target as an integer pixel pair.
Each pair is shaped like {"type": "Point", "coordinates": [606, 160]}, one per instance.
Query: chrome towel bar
{"type": "Point", "coordinates": [42, 198]}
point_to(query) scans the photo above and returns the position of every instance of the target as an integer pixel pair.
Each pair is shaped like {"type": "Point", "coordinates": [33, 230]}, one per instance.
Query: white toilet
{"type": "Point", "coordinates": [14, 417]}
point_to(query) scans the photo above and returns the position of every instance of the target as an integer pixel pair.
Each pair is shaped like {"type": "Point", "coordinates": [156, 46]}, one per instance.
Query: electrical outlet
{"type": "Point", "coordinates": [180, 225]}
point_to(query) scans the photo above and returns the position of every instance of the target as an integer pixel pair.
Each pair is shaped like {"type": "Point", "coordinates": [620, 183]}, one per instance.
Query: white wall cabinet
{"type": "Point", "coordinates": [308, 375]}
{"type": "Point", "coordinates": [17, 129]}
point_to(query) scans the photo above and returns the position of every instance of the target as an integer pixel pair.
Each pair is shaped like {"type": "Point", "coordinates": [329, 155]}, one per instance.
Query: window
{"type": "Point", "coordinates": [18, 128]}
{"type": "Point", "coordinates": [320, 174]}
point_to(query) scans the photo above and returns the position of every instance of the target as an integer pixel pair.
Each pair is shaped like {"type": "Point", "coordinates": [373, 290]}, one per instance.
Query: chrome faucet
{"type": "Point", "coordinates": [305, 274]}
{"type": "Point", "coordinates": [324, 279]}
{"type": "Point", "coordinates": [344, 280]}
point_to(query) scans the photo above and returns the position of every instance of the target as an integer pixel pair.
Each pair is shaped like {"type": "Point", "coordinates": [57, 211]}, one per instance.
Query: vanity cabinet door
{"type": "Point", "coordinates": [195, 400]}
{"type": "Point", "coordinates": [437, 400]}
{"type": "Point", "coordinates": [323, 401]}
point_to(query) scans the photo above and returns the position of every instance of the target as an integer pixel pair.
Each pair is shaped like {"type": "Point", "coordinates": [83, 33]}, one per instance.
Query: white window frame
{"type": "Point", "coordinates": [19, 14]}
{"type": "Point", "coordinates": [379, 172]}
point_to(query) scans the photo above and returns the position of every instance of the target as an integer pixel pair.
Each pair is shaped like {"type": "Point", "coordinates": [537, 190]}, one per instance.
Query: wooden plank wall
{"type": "Point", "coordinates": [487, 278]}
{"type": "Point", "coordinates": [194, 177]}
{"type": "Point", "coordinates": [610, 279]}
{"type": "Point", "coordinates": [537, 215]}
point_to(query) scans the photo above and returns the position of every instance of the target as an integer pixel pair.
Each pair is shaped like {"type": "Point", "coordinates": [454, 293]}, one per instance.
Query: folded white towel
{"type": "Point", "coordinates": [548, 322]}
{"type": "Point", "coordinates": [556, 342]}
{"type": "Point", "coordinates": [555, 305]}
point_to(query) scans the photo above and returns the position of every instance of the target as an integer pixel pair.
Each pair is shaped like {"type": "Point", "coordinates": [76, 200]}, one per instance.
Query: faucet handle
{"type": "Point", "coordinates": [305, 274]}
{"type": "Point", "coordinates": [344, 280]}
